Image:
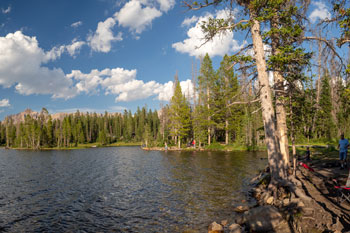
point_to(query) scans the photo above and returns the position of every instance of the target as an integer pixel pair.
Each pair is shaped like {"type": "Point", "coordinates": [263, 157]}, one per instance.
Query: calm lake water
{"type": "Point", "coordinates": [121, 189]}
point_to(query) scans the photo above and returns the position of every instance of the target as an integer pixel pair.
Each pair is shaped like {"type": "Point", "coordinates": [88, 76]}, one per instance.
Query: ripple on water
{"type": "Point", "coordinates": [120, 189]}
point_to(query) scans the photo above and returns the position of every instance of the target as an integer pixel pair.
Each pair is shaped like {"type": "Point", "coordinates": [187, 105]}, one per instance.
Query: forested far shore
{"type": "Point", "coordinates": [38, 130]}
{"type": "Point", "coordinates": [223, 110]}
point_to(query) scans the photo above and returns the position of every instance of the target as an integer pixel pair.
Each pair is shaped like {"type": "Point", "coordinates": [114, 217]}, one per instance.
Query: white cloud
{"type": "Point", "coordinates": [103, 37]}
{"type": "Point", "coordinates": [117, 76]}
{"type": "Point", "coordinates": [21, 66]}
{"type": "Point", "coordinates": [54, 53]}
{"type": "Point", "coordinates": [4, 103]}
{"type": "Point", "coordinates": [189, 21]}
{"type": "Point", "coordinates": [220, 45]}
{"type": "Point", "coordinates": [136, 17]}
{"type": "Point", "coordinates": [166, 91]}
{"type": "Point", "coordinates": [87, 83]}
{"type": "Point", "coordinates": [7, 10]}
{"type": "Point", "coordinates": [107, 79]}
{"type": "Point", "coordinates": [320, 12]}
{"type": "Point", "coordinates": [76, 24]}
{"type": "Point", "coordinates": [57, 51]}
{"type": "Point", "coordinates": [124, 85]}
{"type": "Point", "coordinates": [135, 90]}
{"type": "Point", "coordinates": [166, 5]}
{"type": "Point", "coordinates": [74, 47]}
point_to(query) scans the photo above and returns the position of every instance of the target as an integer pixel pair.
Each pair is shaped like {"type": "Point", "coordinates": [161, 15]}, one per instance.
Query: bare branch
{"type": "Point", "coordinates": [343, 41]}
{"type": "Point", "coordinates": [256, 110]}
{"type": "Point", "coordinates": [191, 7]}
{"type": "Point", "coordinates": [243, 102]}
{"type": "Point", "coordinates": [328, 43]}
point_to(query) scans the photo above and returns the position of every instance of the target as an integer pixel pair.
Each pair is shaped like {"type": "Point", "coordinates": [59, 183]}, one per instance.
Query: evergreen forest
{"type": "Point", "coordinates": [224, 110]}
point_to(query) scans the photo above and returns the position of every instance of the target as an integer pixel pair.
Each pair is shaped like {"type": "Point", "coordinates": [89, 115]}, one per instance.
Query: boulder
{"type": "Point", "coordinates": [263, 219]}
{"type": "Point", "coordinates": [224, 223]}
{"type": "Point", "coordinates": [235, 228]}
{"type": "Point", "coordinates": [215, 228]}
{"type": "Point", "coordinates": [241, 209]}
{"type": "Point", "coordinates": [269, 200]}
{"type": "Point", "coordinates": [286, 201]}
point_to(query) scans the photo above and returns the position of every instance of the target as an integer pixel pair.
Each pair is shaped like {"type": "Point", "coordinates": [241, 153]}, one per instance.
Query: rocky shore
{"type": "Point", "coordinates": [319, 212]}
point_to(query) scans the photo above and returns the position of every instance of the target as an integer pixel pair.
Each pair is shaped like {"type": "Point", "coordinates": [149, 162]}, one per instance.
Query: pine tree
{"type": "Point", "coordinates": [180, 115]}
{"type": "Point", "coordinates": [206, 82]}
{"type": "Point", "coordinates": [227, 85]}
{"type": "Point", "coordinates": [325, 124]}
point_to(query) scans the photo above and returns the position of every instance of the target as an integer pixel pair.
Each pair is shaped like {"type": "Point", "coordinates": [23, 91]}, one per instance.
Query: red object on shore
{"type": "Point", "coordinates": [306, 166]}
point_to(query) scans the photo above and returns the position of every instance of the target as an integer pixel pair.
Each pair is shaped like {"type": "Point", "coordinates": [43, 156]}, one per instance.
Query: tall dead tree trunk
{"type": "Point", "coordinates": [277, 168]}
{"type": "Point", "coordinates": [318, 84]}
{"type": "Point", "coordinates": [280, 101]}
{"type": "Point", "coordinates": [209, 118]}
{"type": "Point", "coordinates": [227, 113]}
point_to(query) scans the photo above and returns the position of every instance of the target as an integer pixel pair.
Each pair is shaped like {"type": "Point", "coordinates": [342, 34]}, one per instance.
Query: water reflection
{"type": "Point", "coordinates": [120, 189]}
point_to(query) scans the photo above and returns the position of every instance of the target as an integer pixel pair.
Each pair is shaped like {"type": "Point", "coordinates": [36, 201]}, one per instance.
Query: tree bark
{"type": "Point", "coordinates": [209, 118]}
{"type": "Point", "coordinates": [226, 113]}
{"type": "Point", "coordinates": [276, 164]}
{"type": "Point", "coordinates": [280, 101]}
{"type": "Point", "coordinates": [226, 132]}
{"type": "Point", "coordinates": [318, 86]}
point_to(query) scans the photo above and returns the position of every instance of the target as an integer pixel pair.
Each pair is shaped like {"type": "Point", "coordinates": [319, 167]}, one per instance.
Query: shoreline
{"type": "Point", "coordinates": [228, 149]}
{"type": "Point", "coordinates": [216, 147]}
{"type": "Point", "coordinates": [79, 147]}
{"type": "Point", "coordinates": [287, 212]}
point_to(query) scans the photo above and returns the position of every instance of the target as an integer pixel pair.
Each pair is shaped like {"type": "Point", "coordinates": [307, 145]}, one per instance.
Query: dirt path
{"type": "Point", "coordinates": [323, 212]}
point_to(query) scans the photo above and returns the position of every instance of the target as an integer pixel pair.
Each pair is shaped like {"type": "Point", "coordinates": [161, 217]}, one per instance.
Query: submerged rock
{"type": "Point", "coordinates": [241, 209]}
{"type": "Point", "coordinates": [215, 228]}
{"type": "Point", "coordinates": [235, 228]}
{"type": "Point", "coordinates": [224, 223]}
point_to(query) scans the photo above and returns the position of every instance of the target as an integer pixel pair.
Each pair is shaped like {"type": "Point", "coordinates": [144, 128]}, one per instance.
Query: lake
{"type": "Point", "coordinates": [121, 189]}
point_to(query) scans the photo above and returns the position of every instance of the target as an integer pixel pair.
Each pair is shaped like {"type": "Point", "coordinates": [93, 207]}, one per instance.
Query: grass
{"type": "Point", "coordinates": [318, 153]}
{"type": "Point", "coordinates": [234, 147]}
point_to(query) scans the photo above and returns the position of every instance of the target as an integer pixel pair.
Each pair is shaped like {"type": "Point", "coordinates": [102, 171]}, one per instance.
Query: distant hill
{"type": "Point", "coordinates": [20, 117]}
{"type": "Point", "coordinates": [44, 114]}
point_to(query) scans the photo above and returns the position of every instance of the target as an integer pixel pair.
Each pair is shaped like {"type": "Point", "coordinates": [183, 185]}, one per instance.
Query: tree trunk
{"type": "Point", "coordinates": [208, 106]}
{"type": "Point", "coordinates": [318, 85]}
{"type": "Point", "coordinates": [276, 164]}
{"type": "Point", "coordinates": [293, 136]}
{"type": "Point", "coordinates": [280, 102]}
{"type": "Point", "coordinates": [226, 131]}
{"type": "Point", "coordinates": [7, 136]}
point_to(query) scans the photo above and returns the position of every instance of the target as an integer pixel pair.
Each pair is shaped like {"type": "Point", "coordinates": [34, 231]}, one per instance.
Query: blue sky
{"type": "Point", "coordinates": [97, 55]}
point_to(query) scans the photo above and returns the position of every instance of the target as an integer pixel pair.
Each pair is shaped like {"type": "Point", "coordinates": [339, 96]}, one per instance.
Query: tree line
{"type": "Point", "coordinates": [79, 128]}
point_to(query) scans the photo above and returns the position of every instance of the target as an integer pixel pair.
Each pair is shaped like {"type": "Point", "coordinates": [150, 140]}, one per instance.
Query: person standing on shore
{"type": "Point", "coordinates": [308, 154]}
{"type": "Point", "coordinates": [343, 149]}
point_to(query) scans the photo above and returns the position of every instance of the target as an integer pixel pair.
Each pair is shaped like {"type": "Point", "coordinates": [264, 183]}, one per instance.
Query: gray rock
{"type": "Point", "coordinates": [269, 200]}
{"type": "Point", "coordinates": [263, 219]}
{"type": "Point", "coordinates": [224, 223]}
{"type": "Point", "coordinates": [235, 228]}
{"type": "Point", "coordinates": [241, 209]}
{"type": "Point", "coordinates": [286, 201]}
{"type": "Point", "coordinates": [215, 228]}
